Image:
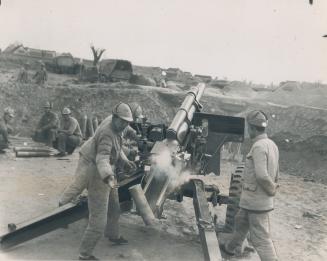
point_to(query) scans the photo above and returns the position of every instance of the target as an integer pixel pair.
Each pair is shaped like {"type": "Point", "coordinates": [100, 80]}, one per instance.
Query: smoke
{"type": "Point", "coordinates": [165, 166]}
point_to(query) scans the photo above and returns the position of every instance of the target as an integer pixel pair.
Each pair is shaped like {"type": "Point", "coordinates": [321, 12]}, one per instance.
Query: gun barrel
{"type": "Point", "coordinates": [179, 126]}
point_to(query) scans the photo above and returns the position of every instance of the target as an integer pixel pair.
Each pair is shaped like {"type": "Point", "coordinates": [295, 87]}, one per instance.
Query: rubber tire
{"type": "Point", "coordinates": [235, 190]}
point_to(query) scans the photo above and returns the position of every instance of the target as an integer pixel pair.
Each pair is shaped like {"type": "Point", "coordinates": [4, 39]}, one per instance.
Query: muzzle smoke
{"type": "Point", "coordinates": [164, 166]}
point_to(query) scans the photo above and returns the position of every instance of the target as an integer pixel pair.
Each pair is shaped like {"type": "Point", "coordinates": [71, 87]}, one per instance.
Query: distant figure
{"type": "Point", "coordinates": [69, 134]}
{"type": "Point", "coordinates": [23, 74]}
{"type": "Point", "coordinates": [5, 128]}
{"type": "Point", "coordinates": [47, 127]}
{"type": "Point", "coordinates": [41, 76]}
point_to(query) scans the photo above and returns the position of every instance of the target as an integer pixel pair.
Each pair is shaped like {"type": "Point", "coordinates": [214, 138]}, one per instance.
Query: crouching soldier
{"type": "Point", "coordinates": [96, 173]}
{"type": "Point", "coordinates": [47, 127]}
{"type": "Point", "coordinates": [69, 134]}
{"type": "Point", "coordinates": [5, 128]}
{"type": "Point", "coordinates": [258, 191]}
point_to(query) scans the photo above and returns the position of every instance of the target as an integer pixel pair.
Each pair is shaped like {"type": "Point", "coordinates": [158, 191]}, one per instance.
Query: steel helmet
{"type": "Point", "coordinates": [137, 111]}
{"type": "Point", "coordinates": [66, 111]}
{"type": "Point", "coordinates": [47, 104]}
{"type": "Point", "coordinates": [9, 111]}
{"type": "Point", "coordinates": [257, 118]}
{"type": "Point", "coordinates": [123, 111]}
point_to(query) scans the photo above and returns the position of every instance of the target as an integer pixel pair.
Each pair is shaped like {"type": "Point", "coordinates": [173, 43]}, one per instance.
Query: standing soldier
{"type": "Point", "coordinates": [258, 191]}
{"type": "Point", "coordinates": [96, 173]}
{"type": "Point", "coordinates": [23, 74]}
{"type": "Point", "coordinates": [47, 127]}
{"type": "Point", "coordinates": [69, 134]}
{"type": "Point", "coordinates": [130, 136]}
{"type": "Point", "coordinates": [5, 128]}
{"type": "Point", "coordinates": [41, 76]}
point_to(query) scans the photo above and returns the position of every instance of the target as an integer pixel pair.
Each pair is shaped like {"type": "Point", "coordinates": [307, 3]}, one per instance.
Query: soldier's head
{"type": "Point", "coordinates": [66, 112]}
{"type": "Point", "coordinates": [47, 106]}
{"type": "Point", "coordinates": [9, 114]}
{"type": "Point", "coordinates": [257, 122]}
{"type": "Point", "coordinates": [121, 116]}
{"type": "Point", "coordinates": [137, 112]}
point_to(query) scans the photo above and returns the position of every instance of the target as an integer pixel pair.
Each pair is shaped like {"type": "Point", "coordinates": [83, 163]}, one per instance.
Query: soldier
{"type": "Point", "coordinates": [47, 127]}
{"type": "Point", "coordinates": [69, 134]}
{"type": "Point", "coordinates": [258, 191]}
{"type": "Point", "coordinates": [95, 172]}
{"type": "Point", "coordinates": [23, 74]}
{"type": "Point", "coordinates": [130, 137]}
{"type": "Point", "coordinates": [41, 76]}
{"type": "Point", "coordinates": [5, 128]}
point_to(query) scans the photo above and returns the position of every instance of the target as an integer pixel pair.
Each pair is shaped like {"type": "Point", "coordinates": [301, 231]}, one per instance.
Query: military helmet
{"type": "Point", "coordinates": [66, 111]}
{"type": "Point", "coordinates": [123, 111]}
{"type": "Point", "coordinates": [257, 118]}
{"type": "Point", "coordinates": [9, 111]}
{"type": "Point", "coordinates": [47, 104]}
{"type": "Point", "coordinates": [136, 109]}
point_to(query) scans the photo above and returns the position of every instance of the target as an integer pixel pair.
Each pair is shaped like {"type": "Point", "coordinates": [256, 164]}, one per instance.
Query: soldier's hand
{"type": "Point", "coordinates": [111, 182]}
{"type": "Point", "coordinates": [131, 165]}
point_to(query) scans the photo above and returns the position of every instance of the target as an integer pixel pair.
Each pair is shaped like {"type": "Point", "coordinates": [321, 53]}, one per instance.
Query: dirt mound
{"type": "Point", "coordinates": [294, 93]}
{"type": "Point", "coordinates": [306, 158]}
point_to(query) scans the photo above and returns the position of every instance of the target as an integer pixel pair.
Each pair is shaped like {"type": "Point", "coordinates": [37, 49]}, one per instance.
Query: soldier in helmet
{"type": "Point", "coordinates": [47, 127]}
{"type": "Point", "coordinates": [69, 134]}
{"type": "Point", "coordinates": [260, 183]}
{"type": "Point", "coordinates": [23, 74]}
{"type": "Point", "coordinates": [130, 137]}
{"type": "Point", "coordinates": [96, 173]}
{"type": "Point", "coordinates": [41, 76]}
{"type": "Point", "coordinates": [5, 128]}
{"type": "Point", "coordinates": [132, 131]}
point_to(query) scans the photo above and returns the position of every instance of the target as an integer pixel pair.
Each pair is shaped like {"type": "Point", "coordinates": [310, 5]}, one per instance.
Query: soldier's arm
{"type": "Point", "coordinates": [130, 133]}
{"type": "Point", "coordinates": [71, 128]}
{"type": "Point", "coordinates": [260, 165]}
{"type": "Point", "coordinates": [54, 123]}
{"type": "Point", "coordinates": [103, 156]}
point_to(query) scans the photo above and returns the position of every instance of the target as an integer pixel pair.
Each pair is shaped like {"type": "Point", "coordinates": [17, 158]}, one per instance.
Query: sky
{"type": "Point", "coordinates": [262, 41]}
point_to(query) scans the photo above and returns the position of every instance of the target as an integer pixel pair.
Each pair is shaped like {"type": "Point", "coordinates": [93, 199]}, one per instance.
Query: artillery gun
{"type": "Point", "coordinates": [190, 144]}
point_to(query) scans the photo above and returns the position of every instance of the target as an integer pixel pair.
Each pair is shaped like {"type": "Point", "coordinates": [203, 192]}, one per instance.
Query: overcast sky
{"type": "Point", "coordinates": [259, 40]}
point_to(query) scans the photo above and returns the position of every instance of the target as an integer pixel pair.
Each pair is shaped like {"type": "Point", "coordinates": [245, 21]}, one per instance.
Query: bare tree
{"type": "Point", "coordinates": [97, 53]}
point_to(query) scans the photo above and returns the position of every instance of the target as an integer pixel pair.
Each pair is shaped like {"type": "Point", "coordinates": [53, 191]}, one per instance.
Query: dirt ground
{"type": "Point", "coordinates": [31, 187]}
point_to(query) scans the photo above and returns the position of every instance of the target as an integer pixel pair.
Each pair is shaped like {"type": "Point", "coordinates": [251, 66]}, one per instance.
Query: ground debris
{"type": "Point", "coordinates": [311, 215]}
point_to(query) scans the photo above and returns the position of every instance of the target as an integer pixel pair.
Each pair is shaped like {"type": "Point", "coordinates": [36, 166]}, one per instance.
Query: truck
{"type": "Point", "coordinates": [113, 70]}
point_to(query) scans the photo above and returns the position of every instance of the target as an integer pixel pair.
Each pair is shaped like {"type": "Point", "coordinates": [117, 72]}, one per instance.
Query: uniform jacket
{"type": "Point", "coordinates": [104, 148]}
{"type": "Point", "coordinates": [72, 126]}
{"type": "Point", "coordinates": [261, 162]}
{"type": "Point", "coordinates": [49, 121]}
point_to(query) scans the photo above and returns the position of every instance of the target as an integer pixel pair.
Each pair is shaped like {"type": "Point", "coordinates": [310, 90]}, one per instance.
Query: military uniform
{"type": "Point", "coordinates": [48, 126]}
{"type": "Point", "coordinates": [98, 157]}
{"type": "Point", "coordinates": [67, 141]}
{"type": "Point", "coordinates": [22, 76]}
{"type": "Point", "coordinates": [257, 198]}
{"type": "Point", "coordinates": [4, 130]}
{"type": "Point", "coordinates": [41, 76]}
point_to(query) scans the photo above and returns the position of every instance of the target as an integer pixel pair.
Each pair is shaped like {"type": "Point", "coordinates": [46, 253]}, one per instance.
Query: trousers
{"type": "Point", "coordinates": [68, 143]}
{"type": "Point", "coordinates": [103, 204]}
{"type": "Point", "coordinates": [46, 136]}
{"type": "Point", "coordinates": [258, 226]}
